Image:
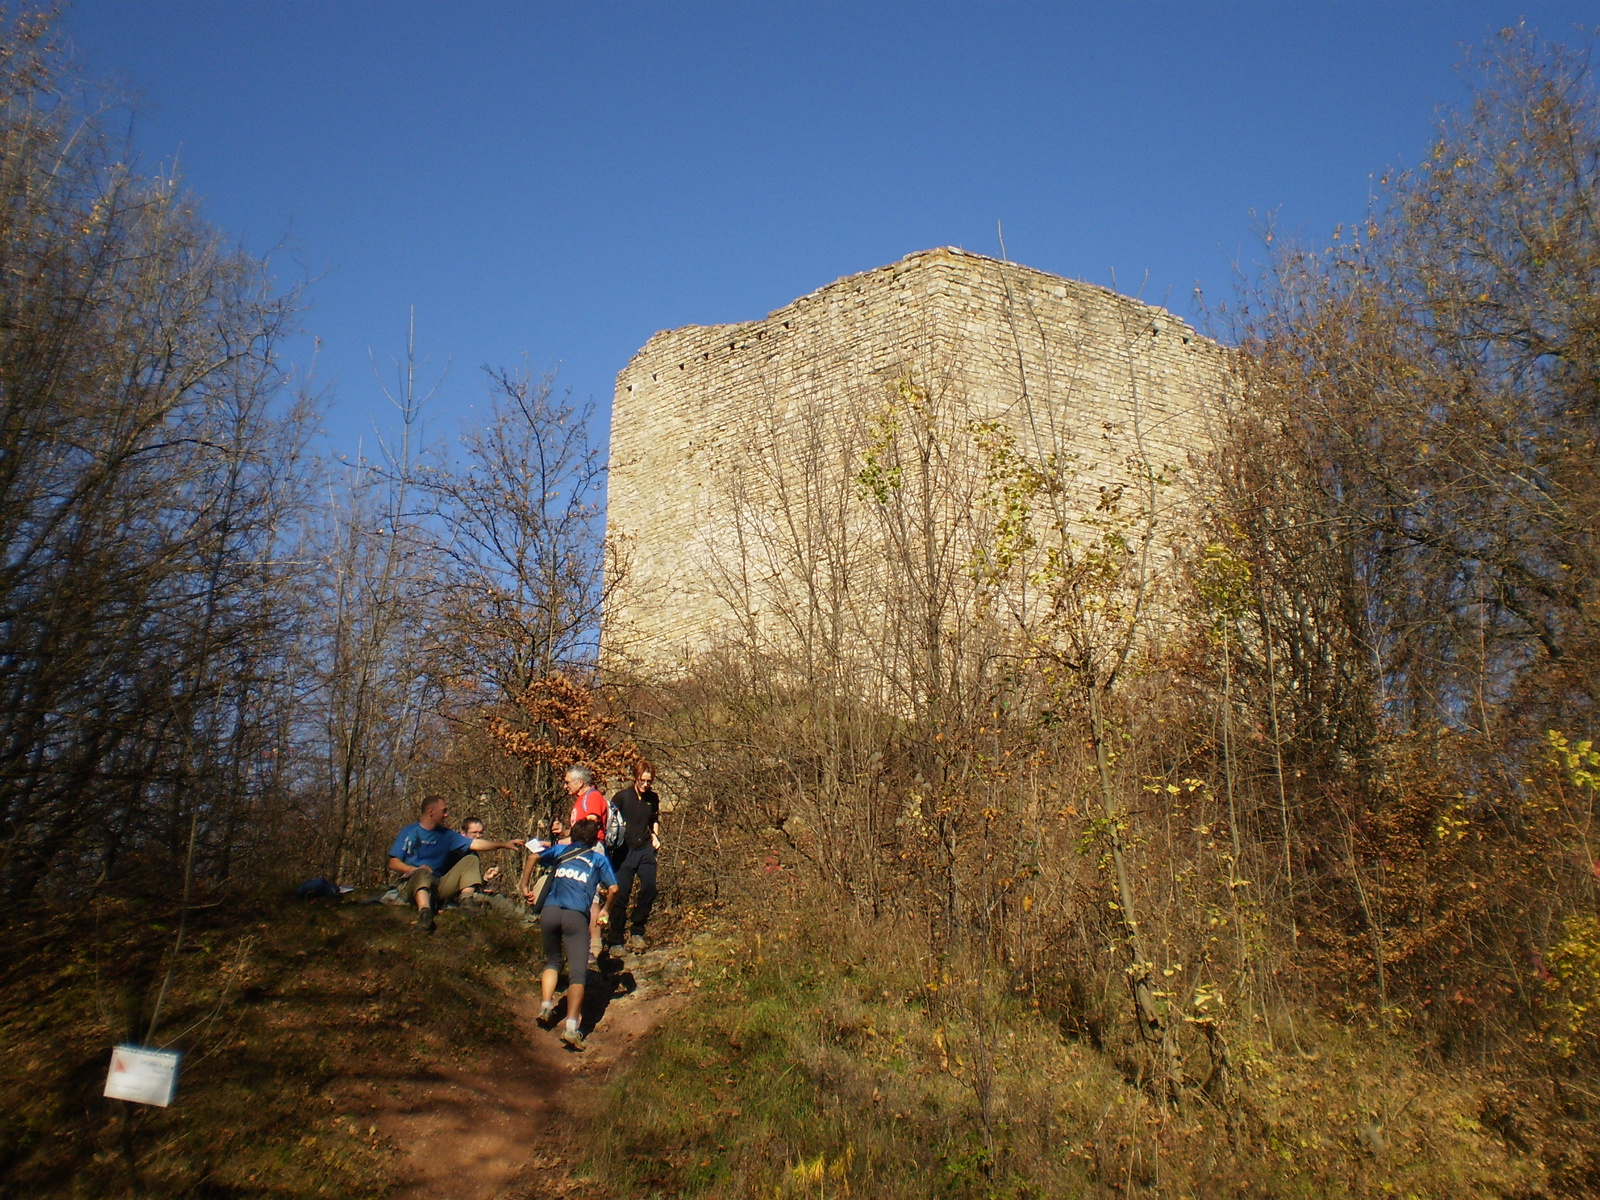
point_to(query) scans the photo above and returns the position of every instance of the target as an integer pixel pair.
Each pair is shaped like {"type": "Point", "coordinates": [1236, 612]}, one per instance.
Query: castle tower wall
{"type": "Point", "coordinates": [1063, 366]}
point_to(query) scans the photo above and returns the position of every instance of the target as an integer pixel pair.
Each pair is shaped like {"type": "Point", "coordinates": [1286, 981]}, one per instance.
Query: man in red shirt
{"type": "Point", "coordinates": [587, 800]}
{"type": "Point", "coordinates": [588, 803]}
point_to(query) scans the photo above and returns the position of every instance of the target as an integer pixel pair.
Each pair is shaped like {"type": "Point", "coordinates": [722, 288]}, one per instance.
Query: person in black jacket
{"type": "Point", "coordinates": [636, 857]}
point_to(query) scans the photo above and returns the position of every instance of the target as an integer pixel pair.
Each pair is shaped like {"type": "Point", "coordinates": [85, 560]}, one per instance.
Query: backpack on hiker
{"type": "Point", "coordinates": [541, 890]}
{"type": "Point", "coordinates": [616, 827]}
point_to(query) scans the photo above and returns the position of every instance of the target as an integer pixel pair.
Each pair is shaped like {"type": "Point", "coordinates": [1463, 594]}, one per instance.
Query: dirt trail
{"type": "Point", "coordinates": [497, 1131]}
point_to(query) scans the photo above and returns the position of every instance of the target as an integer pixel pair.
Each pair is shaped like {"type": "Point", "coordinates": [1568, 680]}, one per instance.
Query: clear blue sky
{"type": "Point", "coordinates": [562, 180]}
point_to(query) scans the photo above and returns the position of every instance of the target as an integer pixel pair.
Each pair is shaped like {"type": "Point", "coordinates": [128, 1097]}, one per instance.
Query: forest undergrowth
{"type": "Point", "coordinates": [825, 1057]}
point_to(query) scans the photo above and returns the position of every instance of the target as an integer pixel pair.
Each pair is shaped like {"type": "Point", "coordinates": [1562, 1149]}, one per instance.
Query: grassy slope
{"type": "Point", "coordinates": [794, 1071]}
{"type": "Point", "coordinates": [272, 1014]}
{"type": "Point", "coordinates": [799, 1074]}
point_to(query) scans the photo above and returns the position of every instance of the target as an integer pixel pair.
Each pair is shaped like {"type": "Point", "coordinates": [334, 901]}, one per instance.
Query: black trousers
{"type": "Point", "coordinates": [640, 863]}
{"type": "Point", "coordinates": [558, 926]}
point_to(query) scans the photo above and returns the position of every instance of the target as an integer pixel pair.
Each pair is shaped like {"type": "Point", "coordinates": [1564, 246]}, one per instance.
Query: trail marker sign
{"type": "Point", "coordinates": [143, 1076]}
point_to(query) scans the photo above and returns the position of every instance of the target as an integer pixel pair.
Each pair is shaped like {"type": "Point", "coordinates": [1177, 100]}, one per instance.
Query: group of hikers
{"type": "Point", "coordinates": [582, 899]}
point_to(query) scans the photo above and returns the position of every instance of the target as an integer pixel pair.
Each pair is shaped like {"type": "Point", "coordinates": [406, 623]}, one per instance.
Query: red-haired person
{"type": "Point", "coordinates": [640, 809]}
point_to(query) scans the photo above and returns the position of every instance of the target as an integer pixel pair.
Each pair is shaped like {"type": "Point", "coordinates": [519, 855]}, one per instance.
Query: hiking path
{"type": "Point", "coordinates": [506, 1128]}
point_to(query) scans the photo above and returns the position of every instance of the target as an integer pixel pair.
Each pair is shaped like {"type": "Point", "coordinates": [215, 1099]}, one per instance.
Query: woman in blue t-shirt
{"type": "Point", "coordinates": [580, 868]}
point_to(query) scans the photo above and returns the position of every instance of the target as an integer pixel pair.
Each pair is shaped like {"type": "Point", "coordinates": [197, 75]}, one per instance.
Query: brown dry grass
{"type": "Point", "coordinates": [815, 1059]}
{"type": "Point", "coordinates": [820, 1061]}
{"type": "Point", "coordinates": [278, 1007]}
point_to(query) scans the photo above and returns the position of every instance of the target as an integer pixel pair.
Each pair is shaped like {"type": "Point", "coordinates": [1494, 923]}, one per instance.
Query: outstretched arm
{"type": "Point", "coordinates": [483, 844]}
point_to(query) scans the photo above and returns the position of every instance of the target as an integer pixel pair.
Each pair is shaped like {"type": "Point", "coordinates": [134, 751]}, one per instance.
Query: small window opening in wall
{"type": "Point", "coordinates": [681, 366]}
{"type": "Point", "coordinates": [706, 356]}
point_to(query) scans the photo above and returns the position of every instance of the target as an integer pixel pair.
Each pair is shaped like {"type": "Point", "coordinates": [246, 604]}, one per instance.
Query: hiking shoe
{"type": "Point", "coordinates": [546, 1011]}
{"type": "Point", "coordinates": [636, 943]}
{"type": "Point", "coordinates": [425, 920]}
{"type": "Point", "coordinates": [573, 1038]}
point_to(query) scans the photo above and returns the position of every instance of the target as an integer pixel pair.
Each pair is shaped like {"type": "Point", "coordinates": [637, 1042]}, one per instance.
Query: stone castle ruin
{"type": "Point", "coordinates": [708, 420]}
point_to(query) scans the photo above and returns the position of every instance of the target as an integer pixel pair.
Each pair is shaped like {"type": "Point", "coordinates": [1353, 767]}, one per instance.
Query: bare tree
{"type": "Point", "coordinates": [521, 524]}
{"type": "Point", "coordinates": [148, 481]}
{"type": "Point", "coordinates": [378, 692]}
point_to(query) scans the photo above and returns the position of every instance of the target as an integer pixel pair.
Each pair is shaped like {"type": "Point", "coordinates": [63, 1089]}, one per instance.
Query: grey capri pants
{"type": "Point", "coordinates": [563, 924]}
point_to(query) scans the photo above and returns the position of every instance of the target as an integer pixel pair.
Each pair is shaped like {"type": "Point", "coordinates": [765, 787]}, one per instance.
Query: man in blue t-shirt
{"type": "Point", "coordinates": [421, 851]}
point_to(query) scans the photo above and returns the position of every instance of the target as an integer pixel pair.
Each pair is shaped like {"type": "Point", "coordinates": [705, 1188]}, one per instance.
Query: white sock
{"type": "Point", "coordinates": [572, 1024]}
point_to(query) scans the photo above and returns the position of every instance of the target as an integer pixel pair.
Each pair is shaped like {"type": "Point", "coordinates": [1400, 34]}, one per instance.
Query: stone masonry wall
{"type": "Point", "coordinates": [1064, 365]}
